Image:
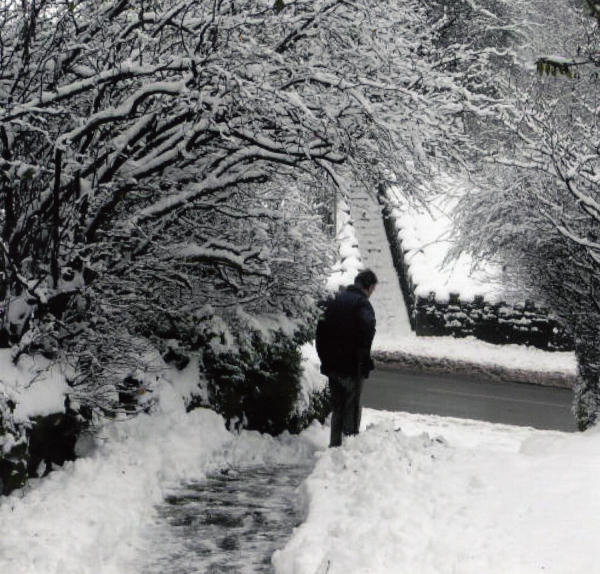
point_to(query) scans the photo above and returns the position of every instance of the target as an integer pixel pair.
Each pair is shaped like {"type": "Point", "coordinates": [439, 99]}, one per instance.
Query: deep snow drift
{"type": "Point", "coordinates": [430, 495]}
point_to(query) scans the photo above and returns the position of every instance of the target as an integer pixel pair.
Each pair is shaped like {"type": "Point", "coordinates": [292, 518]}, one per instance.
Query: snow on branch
{"type": "Point", "coordinates": [127, 109]}
{"type": "Point", "coordinates": [591, 206]}
{"type": "Point", "coordinates": [246, 261]}
{"type": "Point", "coordinates": [591, 247]}
{"type": "Point", "coordinates": [123, 71]}
{"type": "Point", "coordinates": [193, 123]}
{"type": "Point", "coordinates": [193, 192]}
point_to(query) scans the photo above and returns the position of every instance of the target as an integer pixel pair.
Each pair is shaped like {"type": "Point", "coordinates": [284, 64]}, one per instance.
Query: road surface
{"type": "Point", "coordinates": [469, 397]}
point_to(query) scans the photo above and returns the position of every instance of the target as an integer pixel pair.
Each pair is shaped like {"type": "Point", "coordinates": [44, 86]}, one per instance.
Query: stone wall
{"type": "Point", "coordinates": [499, 323]}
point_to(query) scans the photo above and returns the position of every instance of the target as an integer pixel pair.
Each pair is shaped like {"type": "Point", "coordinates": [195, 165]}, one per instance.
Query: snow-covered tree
{"type": "Point", "coordinates": [538, 208]}
{"type": "Point", "coordinates": [161, 160]}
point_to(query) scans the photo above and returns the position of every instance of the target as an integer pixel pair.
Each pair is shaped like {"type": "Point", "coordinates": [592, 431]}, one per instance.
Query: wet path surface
{"type": "Point", "coordinates": [230, 523]}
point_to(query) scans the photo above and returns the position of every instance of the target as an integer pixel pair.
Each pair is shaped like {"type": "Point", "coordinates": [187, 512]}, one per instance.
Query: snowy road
{"type": "Point", "coordinates": [467, 397]}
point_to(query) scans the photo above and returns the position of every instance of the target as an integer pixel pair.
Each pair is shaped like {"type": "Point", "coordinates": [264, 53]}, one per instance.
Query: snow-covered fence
{"type": "Point", "coordinates": [454, 314]}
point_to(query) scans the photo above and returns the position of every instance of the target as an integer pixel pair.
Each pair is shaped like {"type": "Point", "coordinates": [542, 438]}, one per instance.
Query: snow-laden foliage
{"type": "Point", "coordinates": [162, 157]}
{"type": "Point", "coordinates": [538, 207]}
{"type": "Point", "coordinates": [13, 448]}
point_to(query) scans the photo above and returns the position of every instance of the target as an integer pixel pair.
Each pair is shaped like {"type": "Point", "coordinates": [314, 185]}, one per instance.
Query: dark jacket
{"type": "Point", "coordinates": [345, 333]}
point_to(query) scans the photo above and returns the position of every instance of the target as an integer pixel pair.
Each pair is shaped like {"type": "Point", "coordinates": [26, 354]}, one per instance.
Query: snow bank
{"type": "Point", "coordinates": [411, 493]}
{"type": "Point", "coordinates": [428, 495]}
{"type": "Point", "coordinates": [88, 517]}
{"type": "Point", "coordinates": [474, 351]}
{"type": "Point", "coordinates": [34, 387]}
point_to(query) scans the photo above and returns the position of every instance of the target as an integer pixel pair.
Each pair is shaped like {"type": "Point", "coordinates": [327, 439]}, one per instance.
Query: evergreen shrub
{"type": "Point", "coordinates": [319, 408]}
{"type": "Point", "coordinates": [255, 384]}
{"type": "Point", "coordinates": [13, 449]}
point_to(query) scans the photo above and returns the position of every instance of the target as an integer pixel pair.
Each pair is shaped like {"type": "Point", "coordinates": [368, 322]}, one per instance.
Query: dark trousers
{"type": "Point", "coordinates": [345, 401]}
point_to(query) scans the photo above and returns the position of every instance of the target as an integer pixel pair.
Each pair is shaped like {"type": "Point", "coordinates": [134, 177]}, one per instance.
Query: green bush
{"type": "Point", "coordinates": [255, 384]}
{"type": "Point", "coordinates": [319, 408]}
{"type": "Point", "coordinates": [13, 449]}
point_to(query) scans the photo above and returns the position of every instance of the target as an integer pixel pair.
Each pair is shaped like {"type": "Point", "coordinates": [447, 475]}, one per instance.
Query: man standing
{"type": "Point", "coordinates": [344, 336]}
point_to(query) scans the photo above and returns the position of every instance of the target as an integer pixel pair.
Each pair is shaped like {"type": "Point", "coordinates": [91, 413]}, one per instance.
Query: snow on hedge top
{"type": "Point", "coordinates": [350, 262]}
{"type": "Point", "coordinates": [36, 389]}
{"type": "Point", "coordinates": [425, 232]}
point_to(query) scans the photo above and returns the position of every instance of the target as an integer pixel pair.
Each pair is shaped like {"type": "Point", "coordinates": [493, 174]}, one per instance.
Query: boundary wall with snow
{"type": "Point", "coordinates": [491, 321]}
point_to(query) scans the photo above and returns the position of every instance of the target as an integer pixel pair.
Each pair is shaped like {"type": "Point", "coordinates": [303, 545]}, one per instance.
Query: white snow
{"type": "Point", "coordinates": [35, 389]}
{"type": "Point", "coordinates": [428, 495]}
{"type": "Point", "coordinates": [411, 494]}
{"type": "Point", "coordinates": [392, 315]}
{"type": "Point", "coordinates": [312, 380]}
{"type": "Point", "coordinates": [350, 261]}
{"type": "Point", "coordinates": [89, 517]}
{"type": "Point", "coordinates": [471, 350]}
{"type": "Point", "coordinates": [426, 233]}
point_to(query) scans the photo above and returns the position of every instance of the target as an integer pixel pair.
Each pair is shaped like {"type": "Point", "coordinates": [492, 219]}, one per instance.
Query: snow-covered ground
{"type": "Point", "coordinates": [426, 233]}
{"type": "Point", "coordinates": [425, 495]}
{"type": "Point", "coordinates": [411, 494]}
{"type": "Point", "coordinates": [474, 351]}
{"type": "Point", "coordinates": [415, 494]}
{"type": "Point", "coordinates": [90, 516]}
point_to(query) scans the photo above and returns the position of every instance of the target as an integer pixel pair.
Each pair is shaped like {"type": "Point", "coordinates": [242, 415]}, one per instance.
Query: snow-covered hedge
{"type": "Point", "coordinates": [39, 429]}
{"type": "Point", "coordinates": [34, 420]}
{"type": "Point", "coordinates": [450, 299]}
{"type": "Point", "coordinates": [254, 370]}
{"type": "Point", "coordinates": [349, 261]}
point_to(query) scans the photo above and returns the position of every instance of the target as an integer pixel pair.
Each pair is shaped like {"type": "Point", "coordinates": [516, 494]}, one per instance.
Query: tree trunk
{"type": "Point", "coordinates": [54, 266]}
{"type": "Point", "coordinates": [586, 404]}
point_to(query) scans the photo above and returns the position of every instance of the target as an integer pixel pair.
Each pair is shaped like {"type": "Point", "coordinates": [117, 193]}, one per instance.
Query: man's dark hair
{"type": "Point", "coordinates": [366, 279]}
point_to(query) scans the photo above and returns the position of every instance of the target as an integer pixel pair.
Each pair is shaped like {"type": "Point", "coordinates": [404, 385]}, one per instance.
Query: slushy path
{"type": "Point", "coordinates": [230, 523]}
